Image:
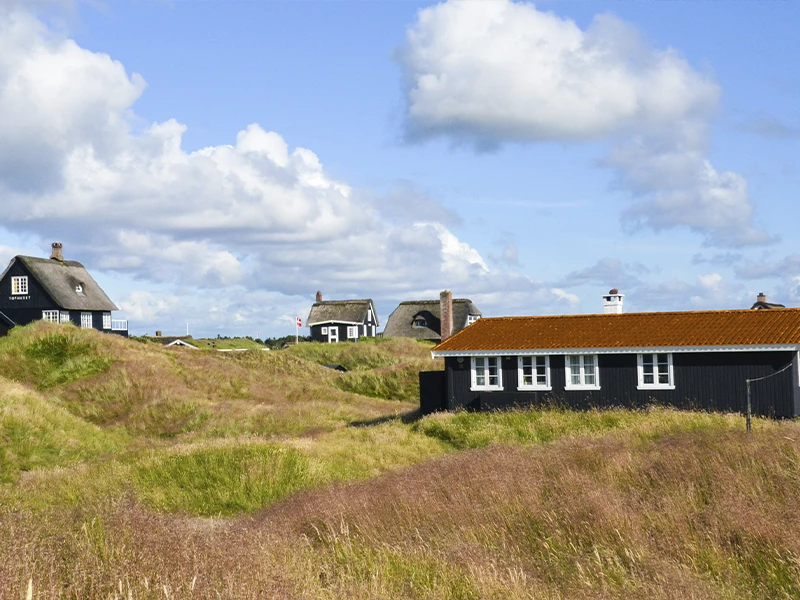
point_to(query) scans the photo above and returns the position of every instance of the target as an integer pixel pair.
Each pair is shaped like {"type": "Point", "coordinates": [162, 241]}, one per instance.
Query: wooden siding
{"type": "Point", "coordinates": [703, 381]}
{"type": "Point", "coordinates": [35, 301]}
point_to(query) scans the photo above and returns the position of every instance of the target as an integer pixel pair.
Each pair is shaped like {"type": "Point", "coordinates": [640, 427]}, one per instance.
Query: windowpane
{"type": "Point", "coordinates": [663, 377]}
{"type": "Point", "coordinates": [527, 370]}
{"type": "Point", "coordinates": [647, 361]}
{"type": "Point", "coordinates": [648, 378]}
{"type": "Point", "coordinates": [480, 371]}
{"type": "Point", "coordinates": [494, 377]}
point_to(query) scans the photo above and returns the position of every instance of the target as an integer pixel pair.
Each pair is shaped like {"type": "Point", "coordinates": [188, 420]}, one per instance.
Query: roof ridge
{"type": "Point", "coordinates": [653, 312]}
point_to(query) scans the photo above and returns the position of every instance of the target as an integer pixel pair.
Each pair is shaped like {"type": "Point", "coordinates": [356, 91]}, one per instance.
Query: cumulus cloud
{"type": "Point", "coordinates": [492, 72]}
{"type": "Point", "coordinates": [609, 272]}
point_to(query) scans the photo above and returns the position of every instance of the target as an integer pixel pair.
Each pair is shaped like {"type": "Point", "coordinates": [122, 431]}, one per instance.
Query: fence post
{"type": "Point", "coordinates": [749, 407]}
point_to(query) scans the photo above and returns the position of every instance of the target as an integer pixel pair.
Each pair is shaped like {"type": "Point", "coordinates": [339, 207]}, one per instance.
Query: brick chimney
{"type": "Point", "coordinates": [56, 254]}
{"type": "Point", "coordinates": [446, 313]}
{"type": "Point", "coordinates": [319, 296]}
{"type": "Point", "coordinates": [612, 302]}
{"type": "Point", "coordinates": [762, 297]}
{"type": "Point", "coordinates": [158, 333]}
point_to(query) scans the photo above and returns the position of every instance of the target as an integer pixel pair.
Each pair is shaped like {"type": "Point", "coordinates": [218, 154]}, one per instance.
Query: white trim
{"type": "Point", "coordinates": [106, 320]}
{"type": "Point", "coordinates": [324, 331]}
{"type": "Point", "coordinates": [333, 335]}
{"type": "Point", "coordinates": [64, 316]}
{"type": "Point", "coordinates": [655, 385]}
{"type": "Point", "coordinates": [630, 350]}
{"type": "Point", "coordinates": [51, 316]}
{"type": "Point", "coordinates": [498, 387]}
{"type": "Point", "coordinates": [21, 282]}
{"type": "Point", "coordinates": [338, 322]}
{"type": "Point", "coordinates": [86, 317]}
{"type": "Point", "coordinates": [352, 332]}
{"type": "Point", "coordinates": [568, 385]}
{"type": "Point", "coordinates": [534, 386]}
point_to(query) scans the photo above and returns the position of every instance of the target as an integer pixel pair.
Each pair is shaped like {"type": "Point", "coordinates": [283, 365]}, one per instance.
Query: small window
{"type": "Point", "coordinates": [86, 320]}
{"type": "Point", "coordinates": [64, 316]}
{"type": "Point", "coordinates": [352, 332]}
{"type": "Point", "coordinates": [487, 373]}
{"type": "Point", "coordinates": [106, 320]}
{"type": "Point", "coordinates": [420, 322]}
{"type": "Point", "coordinates": [79, 289]}
{"type": "Point", "coordinates": [533, 372]}
{"type": "Point", "coordinates": [324, 331]}
{"type": "Point", "coordinates": [472, 318]}
{"type": "Point", "coordinates": [655, 371]}
{"type": "Point", "coordinates": [51, 316]}
{"type": "Point", "coordinates": [19, 286]}
{"type": "Point", "coordinates": [582, 372]}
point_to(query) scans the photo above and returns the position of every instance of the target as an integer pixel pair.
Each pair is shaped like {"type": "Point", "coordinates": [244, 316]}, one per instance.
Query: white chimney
{"type": "Point", "coordinates": [612, 302]}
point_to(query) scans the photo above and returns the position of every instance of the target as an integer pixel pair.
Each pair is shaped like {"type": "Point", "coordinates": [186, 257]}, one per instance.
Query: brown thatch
{"type": "Point", "coordinates": [401, 321]}
{"type": "Point", "coordinates": [60, 279]}
{"type": "Point", "coordinates": [352, 312]}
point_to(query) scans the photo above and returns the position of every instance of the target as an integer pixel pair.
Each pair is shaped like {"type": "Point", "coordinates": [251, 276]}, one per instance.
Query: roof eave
{"type": "Point", "coordinates": [628, 350]}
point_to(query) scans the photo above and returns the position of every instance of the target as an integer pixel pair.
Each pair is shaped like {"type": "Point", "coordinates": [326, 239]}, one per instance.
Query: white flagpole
{"type": "Point", "coordinates": [296, 332]}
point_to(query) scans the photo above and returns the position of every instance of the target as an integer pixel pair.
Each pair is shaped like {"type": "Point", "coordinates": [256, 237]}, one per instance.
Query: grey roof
{"type": "Point", "coordinates": [401, 321]}
{"type": "Point", "coordinates": [60, 278]}
{"type": "Point", "coordinates": [762, 305]}
{"type": "Point", "coordinates": [341, 311]}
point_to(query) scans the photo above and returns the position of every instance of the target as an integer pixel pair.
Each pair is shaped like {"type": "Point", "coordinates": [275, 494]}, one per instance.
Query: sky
{"type": "Point", "coordinates": [215, 163]}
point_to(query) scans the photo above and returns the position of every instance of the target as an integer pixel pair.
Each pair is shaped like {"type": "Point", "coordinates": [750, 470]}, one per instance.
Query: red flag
{"type": "Point", "coordinates": [299, 321]}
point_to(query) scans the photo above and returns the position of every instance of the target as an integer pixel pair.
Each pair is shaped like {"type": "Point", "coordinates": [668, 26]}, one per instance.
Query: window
{"type": "Point", "coordinates": [324, 331]}
{"type": "Point", "coordinates": [79, 289]}
{"type": "Point", "coordinates": [106, 320]}
{"type": "Point", "coordinates": [533, 372]}
{"type": "Point", "coordinates": [472, 318]}
{"type": "Point", "coordinates": [65, 316]}
{"type": "Point", "coordinates": [352, 332]}
{"type": "Point", "coordinates": [486, 373]}
{"type": "Point", "coordinates": [51, 316]}
{"type": "Point", "coordinates": [582, 372]}
{"type": "Point", "coordinates": [420, 322]}
{"type": "Point", "coordinates": [86, 320]}
{"type": "Point", "coordinates": [19, 286]}
{"type": "Point", "coordinates": [655, 371]}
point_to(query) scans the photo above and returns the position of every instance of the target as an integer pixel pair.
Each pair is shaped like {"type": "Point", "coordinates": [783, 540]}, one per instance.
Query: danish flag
{"type": "Point", "coordinates": [298, 321]}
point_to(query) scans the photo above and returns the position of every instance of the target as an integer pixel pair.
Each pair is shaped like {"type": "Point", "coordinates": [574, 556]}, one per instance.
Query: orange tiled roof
{"type": "Point", "coordinates": [778, 326]}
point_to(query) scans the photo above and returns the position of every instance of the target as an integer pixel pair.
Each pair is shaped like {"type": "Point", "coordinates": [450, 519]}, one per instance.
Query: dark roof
{"type": "Point", "coordinates": [60, 278]}
{"type": "Point", "coordinates": [713, 328]}
{"type": "Point", "coordinates": [761, 305]}
{"type": "Point", "coordinates": [401, 322]}
{"type": "Point", "coordinates": [172, 340]}
{"type": "Point", "coordinates": [340, 311]}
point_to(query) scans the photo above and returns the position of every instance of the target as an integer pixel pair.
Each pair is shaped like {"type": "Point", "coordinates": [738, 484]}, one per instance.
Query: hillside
{"type": "Point", "coordinates": [129, 470]}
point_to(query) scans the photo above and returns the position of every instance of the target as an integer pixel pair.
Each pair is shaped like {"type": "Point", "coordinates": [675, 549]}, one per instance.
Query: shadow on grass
{"type": "Point", "coordinates": [408, 417]}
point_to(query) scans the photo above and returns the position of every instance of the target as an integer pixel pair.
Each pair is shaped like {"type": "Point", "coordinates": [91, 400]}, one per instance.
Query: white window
{"type": "Point", "coordinates": [655, 371]}
{"type": "Point", "coordinates": [324, 331]}
{"type": "Point", "coordinates": [420, 322]}
{"type": "Point", "coordinates": [472, 318]}
{"type": "Point", "coordinates": [19, 286]}
{"type": "Point", "coordinates": [64, 316]}
{"type": "Point", "coordinates": [51, 316]}
{"type": "Point", "coordinates": [533, 372]}
{"type": "Point", "coordinates": [79, 289]}
{"type": "Point", "coordinates": [352, 332]}
{"type": "Point", "coordinates": [582, 372]}
{"type": "Point", "coordinates": [486, 373]}
{"type": "Point", "coordinates": [106, 320]}
{"type": "Point", "coordinates": [86, 320]}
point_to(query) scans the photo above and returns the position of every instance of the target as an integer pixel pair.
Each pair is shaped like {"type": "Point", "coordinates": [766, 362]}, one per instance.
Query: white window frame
{"type": "Point", "coordinates": [472, 318]}
{"type": "Point", "coordinates": [352, 332]}
{"type": "Point", "coordinates": [64, 316]}
{"type": "Point", "coordinates": [535, 385]}
{"type": "Point", "coordinates": [324, 331]}
{"type": "Point", "coordinates": [19, 285]}
{"type": "Point", "coordinates": [419, 322]}
{"type": "Point", "coordinates": [670, 385]}
{"type": "Point", "coordinates": [86, 317]}
{"type": "Point", "coordinates": [106, 320]}
{"type": "Point", "coordinates": [583, 364]}
{"type": "Point", "coordinates": [333, 334]}
{"type": "Point", "coordinates": [51, 316]}
{"type": "Point", "coordinates": [485, 362]}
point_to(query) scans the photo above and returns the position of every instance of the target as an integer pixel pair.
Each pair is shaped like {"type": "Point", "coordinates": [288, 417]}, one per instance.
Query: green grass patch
{"type": "Point", "coordinates": [221, 481]}
{"type": "Point", "coordinates": [391, 383]}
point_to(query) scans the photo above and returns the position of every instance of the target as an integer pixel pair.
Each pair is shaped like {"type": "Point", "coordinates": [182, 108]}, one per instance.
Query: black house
{"type": "Point", "coordinates": [422, 319]}
{"type": "Point", "coordinates": [693, 360]}
{"type": "Point", "coordinates": [55, 290]}
{"type": "Point", "coordinates": [342, 320]}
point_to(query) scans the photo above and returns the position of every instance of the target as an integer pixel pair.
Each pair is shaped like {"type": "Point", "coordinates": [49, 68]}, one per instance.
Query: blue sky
{"type": "Point", "coordinates": [219, 162]}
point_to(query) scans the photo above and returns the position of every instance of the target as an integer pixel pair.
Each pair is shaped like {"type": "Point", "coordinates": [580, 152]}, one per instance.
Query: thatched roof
{"type": "Point", "coordinates": [352, 312]}
{"type": "Point", "coordinates": [401, 321]}
{"type": "Point", "coordinates": [60, 280]}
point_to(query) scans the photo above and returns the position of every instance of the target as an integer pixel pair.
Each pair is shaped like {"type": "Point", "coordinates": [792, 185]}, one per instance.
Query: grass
{"type": "Point", "coordinates": [128, 470]}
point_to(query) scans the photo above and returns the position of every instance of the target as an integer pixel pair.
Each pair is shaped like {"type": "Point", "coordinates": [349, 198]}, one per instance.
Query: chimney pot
{"type": "Point", "coordinates": [319, 296]}
{"type": "Point", "coordinates": [57, 254]}
{"type": "Point", "coordinates": [446, 314]}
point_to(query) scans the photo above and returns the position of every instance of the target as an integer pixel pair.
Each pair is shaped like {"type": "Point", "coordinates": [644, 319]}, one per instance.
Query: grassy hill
{"type": "Point", "coordinates": [132, 471]}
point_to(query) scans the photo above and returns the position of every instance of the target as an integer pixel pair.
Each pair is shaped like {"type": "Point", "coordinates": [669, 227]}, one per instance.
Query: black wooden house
{"type": "Point", "coordinates": [334, 321]}
{"type": "Point", "coordinates": [55, 290]}
{"type": "Point", "coordinates": [694, 360]}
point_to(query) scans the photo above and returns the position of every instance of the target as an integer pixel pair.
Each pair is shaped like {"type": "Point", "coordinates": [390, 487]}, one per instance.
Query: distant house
{"type": "Point", "coordinates": [693, 360]}
{"type": "Point", "coordinates": [422, 319]}
{"type": "Point", "coordinates": [55, 290]}
{"type": "Point", "coordinates": [170, 341]}
{"type": "Point", "coordinates": [342, 320]}
{"type": "Point", "coordinates": [761, 303]}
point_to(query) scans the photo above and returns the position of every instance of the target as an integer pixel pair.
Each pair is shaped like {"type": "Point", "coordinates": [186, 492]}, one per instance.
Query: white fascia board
{"type": "Point", "coordinates": [330, 322]}
{"type": "Point", "coordinates": [632, 350]}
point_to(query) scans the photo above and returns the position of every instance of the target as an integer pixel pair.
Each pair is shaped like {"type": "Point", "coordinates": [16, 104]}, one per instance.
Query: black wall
{"type": "Point", "coordinates": [367, 329]}
{"type": "Point", "coordinates": [703, 381]}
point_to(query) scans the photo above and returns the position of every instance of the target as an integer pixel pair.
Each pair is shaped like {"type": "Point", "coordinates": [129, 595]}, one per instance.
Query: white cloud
{"type": "Point", "coordinates": [491, 72]}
